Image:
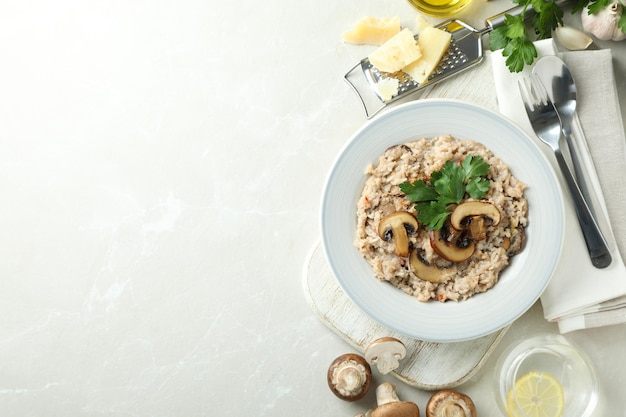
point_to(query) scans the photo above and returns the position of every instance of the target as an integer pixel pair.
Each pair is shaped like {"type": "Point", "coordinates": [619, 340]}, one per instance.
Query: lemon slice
{"type": "Point", "coordinates": [537, 394]}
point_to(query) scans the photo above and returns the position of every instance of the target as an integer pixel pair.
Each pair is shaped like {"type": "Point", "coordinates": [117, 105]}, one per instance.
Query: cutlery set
{"type": "Point", "coordinates": [551, 116]}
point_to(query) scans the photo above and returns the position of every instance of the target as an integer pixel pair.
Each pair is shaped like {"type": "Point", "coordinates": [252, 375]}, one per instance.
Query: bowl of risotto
{"type": "Point", "coordinates": [442, 220]}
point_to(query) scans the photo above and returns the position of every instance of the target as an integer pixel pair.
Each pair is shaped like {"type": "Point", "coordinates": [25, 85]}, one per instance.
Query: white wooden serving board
{"type": "Point", "coordinates": [427, 365]}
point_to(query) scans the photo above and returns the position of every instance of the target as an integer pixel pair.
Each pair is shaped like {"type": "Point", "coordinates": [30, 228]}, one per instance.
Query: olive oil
{"type": "Point", "coordinates": [439, 8]}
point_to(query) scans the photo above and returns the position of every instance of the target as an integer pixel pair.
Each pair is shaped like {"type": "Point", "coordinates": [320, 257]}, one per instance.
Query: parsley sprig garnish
{"type": "Point", "coordinates": [515, 39]}
{"type": "Point", "coordinates": [447, 186]}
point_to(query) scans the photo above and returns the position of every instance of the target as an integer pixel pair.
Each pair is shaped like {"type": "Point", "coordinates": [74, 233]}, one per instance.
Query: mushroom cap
{"type": "Point", "coordinates": [349, 377]}
{"type": "Point", "coordinates": [385, 353]}
{"type": "Point", "coordinates": [515, 243]}
{"type": "Point", "coordinates": [470, 209]}
{"type": "Point", "coordinates": [397, 226]}
{"type": "Point", "coordinates": [425, 270]}
{"type": "Point", "coordinates": [397, 409]}
{"type": "Point", "coordinates": [448, 403]}
{"type": "Point", "coordinates": [450, 251]}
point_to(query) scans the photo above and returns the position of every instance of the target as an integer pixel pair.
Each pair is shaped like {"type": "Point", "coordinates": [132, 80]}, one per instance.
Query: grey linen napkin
{"type": "Point", "coordinates": [601, 120]}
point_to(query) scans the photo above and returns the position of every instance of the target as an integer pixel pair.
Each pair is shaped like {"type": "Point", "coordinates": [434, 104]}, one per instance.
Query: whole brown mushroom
{"type": "Point", "coordinates": [448, 403]}
{"type": "Point", "coordinates": [349, 377]}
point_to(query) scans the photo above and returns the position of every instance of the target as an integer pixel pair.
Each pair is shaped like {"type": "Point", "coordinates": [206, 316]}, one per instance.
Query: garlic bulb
{"type": "Point", "coordinates": [572, 39]}
{"type": "Point", "coordinates": [603, 25]}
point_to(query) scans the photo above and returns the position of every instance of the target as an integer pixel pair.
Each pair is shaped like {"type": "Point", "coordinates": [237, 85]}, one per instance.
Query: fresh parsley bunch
{"type": "Point", "coordinates": [447, 186]}
{"type": "Point", "coordinates": [514, 39]}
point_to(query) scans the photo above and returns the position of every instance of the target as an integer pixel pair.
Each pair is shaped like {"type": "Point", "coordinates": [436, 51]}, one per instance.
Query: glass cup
{"type": "Point", "coordinates": [554, 355]}
{"type": "Point", "coordinates": [439, 8]}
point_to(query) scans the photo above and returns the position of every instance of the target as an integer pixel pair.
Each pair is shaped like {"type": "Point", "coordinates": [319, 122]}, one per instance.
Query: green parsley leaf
{"type": "Point", "coordinates": [621, 23]}
{"type": "Point", "coordinates": [498, 39]}
{"type": "Point", "coordinates": [549, 16]}
{"type": "Point", "coordinates": [595, 6]}
{"type": "Point", "coordinates": [432, 214]}
{"type": "Point", "coordinates": [474, 167]}
{"type": "Point", "coordinates": [418, 191]}
{"type": "Point", "coordinates": [450, 184]}
{"type": "Point", "coordinates": [515, 26]}
{"type": "Point", "coordinates": [579, 5]}
{"type": "Point", "coordinates": [478, 187]}
{"type": "Point", "coordinates": [519, 53]}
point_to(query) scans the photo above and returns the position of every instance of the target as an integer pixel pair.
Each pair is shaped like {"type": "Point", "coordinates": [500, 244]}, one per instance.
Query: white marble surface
{"type": "Point", "coordinates": [161, 170]}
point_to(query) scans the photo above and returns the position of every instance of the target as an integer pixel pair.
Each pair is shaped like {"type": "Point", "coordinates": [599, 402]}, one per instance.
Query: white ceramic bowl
{"type": "Point", "coordinates": [520, 284]}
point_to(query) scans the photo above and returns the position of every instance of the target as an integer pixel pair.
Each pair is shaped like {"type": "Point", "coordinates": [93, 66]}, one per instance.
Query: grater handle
{"type": "Point", "coordinates": [371, 103]}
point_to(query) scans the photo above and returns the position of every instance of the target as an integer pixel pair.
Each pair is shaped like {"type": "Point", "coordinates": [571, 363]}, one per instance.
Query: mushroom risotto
{"type": "Point", "coordinates": [471, 240]}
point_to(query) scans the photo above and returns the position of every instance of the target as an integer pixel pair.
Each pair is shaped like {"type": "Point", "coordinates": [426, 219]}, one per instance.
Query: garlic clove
{"type": "Point", "coordinates": [572, 39]}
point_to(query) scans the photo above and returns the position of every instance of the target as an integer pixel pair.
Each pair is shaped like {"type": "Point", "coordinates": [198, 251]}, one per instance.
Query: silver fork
{"type": "Point", "coordinates": [547, 125]}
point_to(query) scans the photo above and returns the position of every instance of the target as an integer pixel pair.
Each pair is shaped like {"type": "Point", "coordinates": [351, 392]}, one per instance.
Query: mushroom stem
{"type": "Point", "coordinates": [390, 406]}
{"type": "Point", "coordinates": [385, 353]}
{"type": "Point", "coordinates": [387, 362]}
{"type": "Point", "coordinates": [349, 378]}
{"type": "Point", "coordinates": [386, 393]}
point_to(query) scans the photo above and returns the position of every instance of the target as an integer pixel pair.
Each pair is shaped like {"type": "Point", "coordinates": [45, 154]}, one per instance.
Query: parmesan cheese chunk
{"type": "Point", "coordinates": [387, 88]}
{"type": "Point", "coordinates": [372, 31]}
{"type": "Point", "coordinates": [421, 23]}
{"type": "Point", "coordinates": [433, 43]}
{"type": "Point", "coordinates": [396, 53]}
